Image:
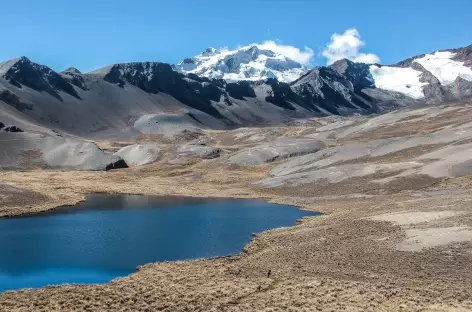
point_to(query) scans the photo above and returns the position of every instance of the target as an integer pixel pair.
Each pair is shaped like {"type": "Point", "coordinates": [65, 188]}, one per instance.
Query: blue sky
{"type": "Point", "coordinates": [91, 34]}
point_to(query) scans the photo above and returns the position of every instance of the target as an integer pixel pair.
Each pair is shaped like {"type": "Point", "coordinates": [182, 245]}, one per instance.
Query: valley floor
{"type": "Point", "coordinates": [396, 238]}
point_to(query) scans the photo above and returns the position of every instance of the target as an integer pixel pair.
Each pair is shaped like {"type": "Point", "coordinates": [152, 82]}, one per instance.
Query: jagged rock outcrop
{"type": "Point", "coordinates": [13, 100]}
{"type": "Point", "coordinates": [22, 72]}
{"type": "Point", "coordinates": [74, 77]}
{"type": "Point", "coordinates": [357, 73]}
{"type": "Point", "coordinates": [154, 77]}
{"type": "Point", "coordinates": [12, 129]}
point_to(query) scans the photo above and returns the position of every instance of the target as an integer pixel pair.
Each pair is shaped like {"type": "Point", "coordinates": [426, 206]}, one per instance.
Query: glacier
{"type": "Point", "coordinates": [253, 63]}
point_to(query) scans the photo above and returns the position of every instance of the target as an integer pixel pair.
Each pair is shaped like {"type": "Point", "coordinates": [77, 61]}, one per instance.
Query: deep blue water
{"type": "Point", "coordinates": [109, 236]}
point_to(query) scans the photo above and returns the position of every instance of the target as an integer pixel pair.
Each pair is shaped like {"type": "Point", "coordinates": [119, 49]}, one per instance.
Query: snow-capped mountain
{"type": "Point", "coordinates": [439, 76]}
{"type": "Point", "coordinates": [253, 63]}
{"type": "Point", "coordinates": [442, 75]}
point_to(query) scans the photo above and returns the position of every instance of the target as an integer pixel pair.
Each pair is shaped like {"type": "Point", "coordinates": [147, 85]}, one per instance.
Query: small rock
{"type": "Point", "coordinates": [12, 129]}
{"type": "Point", "coordinates": [193, 177]}
{"type": "Point", "coordinates": [201, 151]}
{"type": "Point", "coordinates": [116, 165]}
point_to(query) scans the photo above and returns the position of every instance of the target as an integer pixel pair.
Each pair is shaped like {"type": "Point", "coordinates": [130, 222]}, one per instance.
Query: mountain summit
{"type": "Point", "coordinates": [253, 62]}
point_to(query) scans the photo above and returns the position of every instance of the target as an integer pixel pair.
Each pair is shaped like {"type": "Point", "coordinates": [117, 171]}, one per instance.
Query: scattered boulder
{"type": "Point", "coordinates": [201, 151]}
{"type": "Point", "coordinates": [119, 164]}
{"type": "Point", "coordinates": [281, 148]}
{"type": "Point", "coordinates": [72, 70]}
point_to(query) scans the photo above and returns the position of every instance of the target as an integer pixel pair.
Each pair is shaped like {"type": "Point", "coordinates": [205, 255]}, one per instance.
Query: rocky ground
{"type": "Point", "coordinates": [394, 235]}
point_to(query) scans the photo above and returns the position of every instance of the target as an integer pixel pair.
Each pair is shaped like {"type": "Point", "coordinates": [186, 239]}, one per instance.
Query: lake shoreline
{"type": "Point", "coordinates": [338, 250]}
{"type": "Point", "coordinates": [140, 205]}
{"type": "Point", "coordinates": [71, 202]}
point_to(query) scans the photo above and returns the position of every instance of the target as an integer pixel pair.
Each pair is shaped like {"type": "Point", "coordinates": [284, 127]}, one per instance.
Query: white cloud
{"type": "Point", "coordinates": [303, 57]}
{"type": "Point", "coordinates": [347, 45]}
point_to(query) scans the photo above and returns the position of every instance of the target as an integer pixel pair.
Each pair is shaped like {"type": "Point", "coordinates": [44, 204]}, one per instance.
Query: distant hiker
{"type": "Point", "coordinates": [269, 273]}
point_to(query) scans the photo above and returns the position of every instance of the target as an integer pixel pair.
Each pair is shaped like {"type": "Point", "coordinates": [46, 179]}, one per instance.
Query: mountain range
{"type": "Point", "coordinates": [117, 97]}
{"type": "Point", "coordinates": [215, 90]}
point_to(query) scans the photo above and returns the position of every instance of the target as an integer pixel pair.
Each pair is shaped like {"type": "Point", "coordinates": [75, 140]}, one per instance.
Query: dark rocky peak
{"type": "Point", "coordinates": [319, 76]}
{"type": "Point", "coordinates": [343, 66]}
{"type": "Point", "coordinates": [408, 62]}
{"type": "Point", "coordinates": [357, 73]}
{"type": "Point", "coordinates": [463, 55]}
{"type": "Point", "coordinates": [330, 73]}
{"type": "Point", "coordinates": [188, 60]}
{"type": "Point", "coordinates": [210, 52]}
{"type": "Point", "coordinates": [22, 72]}
{"type": "Point", "coordinates": [75, 77]}
{"type": "Point", "coordinates": [72, 70]}
{"type": "Point", "coordinates": [312, 76]}
{"type": "Point", "coordinates": [155, 77]}
{"type": "Point", "coordinates": [326, 89]}
{"type": "Point", "coordinates": [6, 66]}
{"type": "Point", "coordinates": [152, 77]}
{"type": "Point", "coordinates": [255, 52]}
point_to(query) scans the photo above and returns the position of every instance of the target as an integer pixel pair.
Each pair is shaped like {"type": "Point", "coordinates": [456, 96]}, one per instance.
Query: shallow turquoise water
{"type": "Point", "coordinates": [109, 236]}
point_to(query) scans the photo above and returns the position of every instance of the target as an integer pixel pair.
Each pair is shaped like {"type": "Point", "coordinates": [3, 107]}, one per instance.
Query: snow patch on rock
{"type": "Point", "coordinates": [441, 65]}
{"type": "Point", "coordinates": [402, 80]}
